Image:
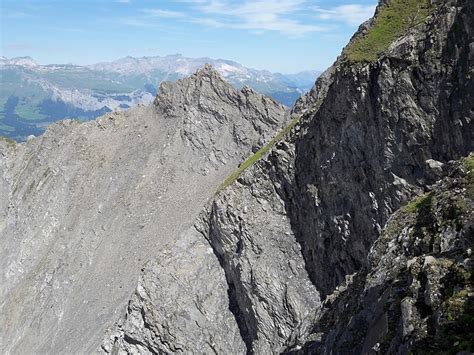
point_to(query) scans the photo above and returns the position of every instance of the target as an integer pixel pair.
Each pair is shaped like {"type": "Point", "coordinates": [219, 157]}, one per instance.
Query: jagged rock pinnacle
{"type": "Point", "coordinates": [208, 70]}
{"type": "Point", "coordinates": [119, 189]}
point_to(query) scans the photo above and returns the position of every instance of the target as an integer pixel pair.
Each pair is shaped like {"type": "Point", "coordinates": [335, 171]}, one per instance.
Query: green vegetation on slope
{"type": "Point", "coordinates": [8, 140]}
{"type": "Point", "coordinates": [425, 200]}
{"type": "Point", "coordinates": [391, 22]}
{"type": "Point", "coordinates": [469, 165]}
{"type": "Point", "coordinates": [418, 203]}
{"type": "Point", "coordinates": [260, 153]}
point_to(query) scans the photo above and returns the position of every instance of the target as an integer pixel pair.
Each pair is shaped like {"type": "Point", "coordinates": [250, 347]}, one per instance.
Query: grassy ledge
{"type": "Point", "coordinates": [469, 165]}
{"type": "Point", "coordinates": [391, 22]}
{"type": "Point", "coordinates": [418, 203]}
{"type": "Point", "coordinates": [260, 153]}
{"type": "Point", "coordinates": [8, 140]}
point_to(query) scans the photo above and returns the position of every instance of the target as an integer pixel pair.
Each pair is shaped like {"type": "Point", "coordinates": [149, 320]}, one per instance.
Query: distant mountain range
{"type": "Point", "coordinates": [32, 96]}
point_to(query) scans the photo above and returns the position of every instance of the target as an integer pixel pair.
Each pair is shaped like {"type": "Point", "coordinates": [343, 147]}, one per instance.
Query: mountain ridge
{"type": "Point", "coordinates": [107, 189]}
{"type": "Point", "coordinates": [34, 95]}
{"type": "Point", "coordinates": [299, 232]}
{"type": "Point", "coordinates": [350, 232]}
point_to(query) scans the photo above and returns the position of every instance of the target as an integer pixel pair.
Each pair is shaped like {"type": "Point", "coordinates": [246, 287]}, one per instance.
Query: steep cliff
{"type": "Point", "coordinates": [296, 227]}
{"type": "Point", "coordinates": [85, 205]}
{"type": "Point", "coordinates": [312, 245]}
{"type": "Point", "coordinates": [380, 135]}
{"type": "Point", "coordinates": [415, 292]}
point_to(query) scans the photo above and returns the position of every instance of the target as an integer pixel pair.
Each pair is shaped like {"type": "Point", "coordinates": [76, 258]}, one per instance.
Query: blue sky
{"type": "Point", "coordinates": [285, 36]}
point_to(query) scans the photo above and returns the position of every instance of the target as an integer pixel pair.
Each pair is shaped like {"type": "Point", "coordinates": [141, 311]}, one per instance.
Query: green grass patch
{"type": "Point", "coordinates": [391, 22]}
{"type": "Point", "coordinates": [469, 165]}
{"type": "Point", "coordinates": [260, 153]}
{"type": "Point", "coordinates": [28, 112]}
{"type": "Point", "coordinates": [418, 203]}
{"type": "Point", "coordinates": [8, 140]}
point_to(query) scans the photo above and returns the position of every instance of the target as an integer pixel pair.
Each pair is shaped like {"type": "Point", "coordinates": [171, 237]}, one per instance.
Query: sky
{"type": "Point", "coordinates": [284, 36]}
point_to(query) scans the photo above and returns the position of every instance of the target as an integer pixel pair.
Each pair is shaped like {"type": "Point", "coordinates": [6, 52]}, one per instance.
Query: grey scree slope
{"type": "Point", "coordinates": [85, 205]}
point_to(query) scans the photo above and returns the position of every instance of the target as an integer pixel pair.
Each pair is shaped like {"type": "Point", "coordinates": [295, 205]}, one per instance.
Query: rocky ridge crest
{"type": "Point", "coordinates": [303, 252]}
{"type": "Point", "coordinates": [294, 231]}
{"type": "Point", "coordinates": [87, 204]}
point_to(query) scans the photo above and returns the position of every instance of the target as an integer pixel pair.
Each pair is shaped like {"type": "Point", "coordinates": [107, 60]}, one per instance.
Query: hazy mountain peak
{"type": "Point", "coordinates": [86, 92]}
{"type": "Point", "coordinates": [19, 61]}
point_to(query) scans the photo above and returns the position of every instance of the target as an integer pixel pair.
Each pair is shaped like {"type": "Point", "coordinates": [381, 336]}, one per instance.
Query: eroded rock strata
{"type": "Point", "coordinates": [297, 226]}
{"type": "Point", "coordinates": [85, 205]}
{"type": "Point", "coordinates": [353, 234]}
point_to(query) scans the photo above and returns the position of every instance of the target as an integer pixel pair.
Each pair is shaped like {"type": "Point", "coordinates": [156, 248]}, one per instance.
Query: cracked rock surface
{"type": "Point", "coordinates": [415, 292]}
{"type": "Point", "coordinates": [86, 205]}
{"type": "Point", "coordinates": [352, 235]}
{"type": "Point", "coordinates": [181, 304]}
{"type": "Point", "coordinates": [294, 231]}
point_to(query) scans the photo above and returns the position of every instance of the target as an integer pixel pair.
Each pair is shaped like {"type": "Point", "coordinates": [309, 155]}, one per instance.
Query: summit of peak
{"type": "Point", "coordinates": [247, 90]}
{"type": "Point", "coordinates": [206, 81]}
{"type": "Point", "coordinates": [206, 90]}
{"type": "Point", "coordinates": [208, 70]}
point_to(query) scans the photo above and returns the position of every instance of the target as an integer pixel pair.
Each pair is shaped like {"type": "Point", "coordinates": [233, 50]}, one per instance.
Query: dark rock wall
{"type": "Point", "coordinates": [371, 144]}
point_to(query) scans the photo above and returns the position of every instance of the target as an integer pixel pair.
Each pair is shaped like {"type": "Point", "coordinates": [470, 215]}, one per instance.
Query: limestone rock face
{"type": "Point", "coordinates": [86, 205]}
{"type": "Point", "coordinates": [293, 232]}
{"type": "Point", "coordinates": [303, 252]}
{"type": "Point", "coordinates": [251, 234]}
{"type": "Point", "coordinates": [269, 292]}
{"type": "Point", "coordinates": [209, 105]}
{"type": "Point", "coordinates": [415, 291]}
{"type": "Point", "coordinates": [367, 150]}
{"type": "Point", "coordinates": [181, 304]}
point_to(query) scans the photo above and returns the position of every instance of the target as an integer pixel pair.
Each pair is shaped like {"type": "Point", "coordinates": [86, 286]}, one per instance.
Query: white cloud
{"type": "Point", "coordinates": [260, 15]}
{"type": "Point", "coordinates": [289, 17]}
{"type": "Point", "coordinates": [163, 13]}
{"type": "Point", "coordinates": [271, 22]}
{"type": "Point", "coordinates": [135, 22]}
{"type": "Point", "coordinates": [352, 14]}
{"type": "Point", "coordinates": [252, 7]}
{"type": "Point", "coordinates": [208, 22]}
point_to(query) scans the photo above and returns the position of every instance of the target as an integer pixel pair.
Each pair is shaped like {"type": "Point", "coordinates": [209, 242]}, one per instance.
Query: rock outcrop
{"type": "Point", "coordinates": [315, 247]}
{"type": "Point", "coordinates": [85, 205]}
{"type": "Point", "coordinates": [181, 304]}
{"type": "Point", "coordinates": [415, 291]}
{"type": "Point", "coordinates": [372, 135]}
{"type": "Point", "coordinates": [268, 289]}
{"type": "Point", "coordinates": [377, 138]}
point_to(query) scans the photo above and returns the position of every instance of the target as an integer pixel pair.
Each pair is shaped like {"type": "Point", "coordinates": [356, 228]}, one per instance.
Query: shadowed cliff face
{"type": "Point", "coordinates": [414, 293]}
{"type": "Point", "coordinates": [377, 139]}
{"type": "Point", "coordinates": [84, 206]}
